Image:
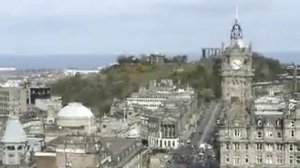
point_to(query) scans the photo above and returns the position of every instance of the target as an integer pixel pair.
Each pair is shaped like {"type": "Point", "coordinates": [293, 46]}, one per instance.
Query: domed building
{"type": "Point", "coordinates": [75, 115]}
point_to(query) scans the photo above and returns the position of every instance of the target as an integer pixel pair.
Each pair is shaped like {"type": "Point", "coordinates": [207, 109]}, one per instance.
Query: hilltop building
{"type": "Point", "coordinates": [159, 92]}
{"type": "Point", "coordinates": [264, 133]}
{"type": "Point", "coordinates": [211, 52]}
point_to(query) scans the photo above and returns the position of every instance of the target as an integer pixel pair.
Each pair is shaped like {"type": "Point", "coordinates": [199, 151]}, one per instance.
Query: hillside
{"type": "Point", "coordinates": [97, 91]}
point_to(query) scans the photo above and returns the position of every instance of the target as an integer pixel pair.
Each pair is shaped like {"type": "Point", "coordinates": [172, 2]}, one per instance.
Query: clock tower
{"type": "Point", "coordinates": [236, 70]}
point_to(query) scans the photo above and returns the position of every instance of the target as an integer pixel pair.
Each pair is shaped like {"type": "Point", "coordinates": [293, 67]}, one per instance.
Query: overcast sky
{"type": "Point", "coordinates": [39, 27]}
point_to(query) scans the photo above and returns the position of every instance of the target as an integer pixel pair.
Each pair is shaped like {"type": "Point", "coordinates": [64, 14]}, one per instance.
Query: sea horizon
{"type": "Point", "coordinates": [92, 61]}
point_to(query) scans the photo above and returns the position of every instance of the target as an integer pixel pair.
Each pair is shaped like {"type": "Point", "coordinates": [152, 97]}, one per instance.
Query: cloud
{"type": "Point", "coordinates": [116, 26]}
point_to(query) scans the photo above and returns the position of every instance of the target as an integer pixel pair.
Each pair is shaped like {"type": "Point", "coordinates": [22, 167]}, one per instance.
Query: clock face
{"type": "Point", "coordinates": [236, 64]}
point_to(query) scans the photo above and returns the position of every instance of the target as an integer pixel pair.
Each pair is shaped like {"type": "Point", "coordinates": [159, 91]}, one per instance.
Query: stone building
{"type": "Point", "coordinates": [157, 58]}
{"type": "Point", "coordinates": [162, 128]}
{"type": "Point", "coordinates": [12, 96]}
{"type": "Point", "coordinates": [249, 136]}
{"type": "Point", "coordinates": [159, 92]}
{"type": "Point", "coordinates": [270, 88]}
{"type": "Point", "coordinates": [211, 52]}
{"type": "Point", "coordinates": [79, 151]}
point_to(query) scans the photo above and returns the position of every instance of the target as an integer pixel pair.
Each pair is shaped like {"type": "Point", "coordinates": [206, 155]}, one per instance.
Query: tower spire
{"type": "Point", "coordinates": [236, 31]}
{"type": "Point", "coordinates": [236, 12]}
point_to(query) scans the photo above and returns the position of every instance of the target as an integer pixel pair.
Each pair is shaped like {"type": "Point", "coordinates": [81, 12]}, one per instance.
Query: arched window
{"type": "Point", "coordinates": [227, 158]}
{"type": "Point", "coordinates": [278, 123]}
{"type": "Point", "coordinates": [10, 148]}
{"type": "Point", "coordinates": [259, 123]}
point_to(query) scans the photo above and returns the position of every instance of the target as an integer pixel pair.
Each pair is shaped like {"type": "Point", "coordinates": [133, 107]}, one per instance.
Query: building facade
{"type": "Point", "coordinates": [12, 97]}
{"type": "Point", "coordinates": [38, 93]}
{"type": "Point", "coordinates": [85, 151]}
{"type": "Point", "coordinates": [253, 136]}
{"type": "Point", "coordinates": [211, 52]}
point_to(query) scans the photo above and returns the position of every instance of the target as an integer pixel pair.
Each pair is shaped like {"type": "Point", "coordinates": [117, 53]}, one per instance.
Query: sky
{"type": "Point", "coordinates": [43, 27]}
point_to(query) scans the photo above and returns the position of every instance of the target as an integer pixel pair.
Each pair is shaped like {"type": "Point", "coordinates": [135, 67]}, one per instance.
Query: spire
{"type": "Point", "coordinates": [236, 12]}
{"type": "Point", "coordinates": [236, 31]}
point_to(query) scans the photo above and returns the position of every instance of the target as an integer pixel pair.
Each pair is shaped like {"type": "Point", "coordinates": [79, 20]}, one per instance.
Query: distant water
{"type": "Point", "coordinates": [63, 61]}
{"type": "Point", "coordinates": [93, 61]}
{"type": "Point", "coordinates": [57, 61]}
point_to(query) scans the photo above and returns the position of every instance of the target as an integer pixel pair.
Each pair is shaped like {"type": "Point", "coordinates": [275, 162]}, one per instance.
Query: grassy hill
{"type": "Point", "coordinates": [98, 90]}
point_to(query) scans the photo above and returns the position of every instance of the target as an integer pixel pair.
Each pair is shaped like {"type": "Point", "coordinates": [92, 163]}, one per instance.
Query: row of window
{"type": "Point", "coordinates": [268, 133]}
{"type": "Point", "coordinates": [161, 143]}
{"type": "Point", "coordinates": [260, 146]}
{"type": "Point", "coordinates": [269, 159]}
{"type": "Point", "coordinates": [144, 100]}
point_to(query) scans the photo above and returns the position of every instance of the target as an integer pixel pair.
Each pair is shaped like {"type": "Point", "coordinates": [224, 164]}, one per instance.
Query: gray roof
{"type": "Point", "coordinates": [14, 132]}
{"type": "Point", "coordinates": [117, 145]}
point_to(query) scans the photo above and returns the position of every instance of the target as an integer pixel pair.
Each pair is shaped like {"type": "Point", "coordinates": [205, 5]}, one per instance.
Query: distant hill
{"type": "Point", "coordinates": [284, 57]}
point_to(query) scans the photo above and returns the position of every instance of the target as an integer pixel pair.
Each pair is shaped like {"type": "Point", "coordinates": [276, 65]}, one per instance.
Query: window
{"type": "Point", "coordinates": [246, 146]}
{"type": "Point", "coordinates": [291, 147]}
{"type": "Point", "coordinates": [278, 123]}
{"type": "Point", "coordinates": [269, 133]}
{"type": "Point", "coordinates": [279, 147]}
{"type": "Point", "coordinates": [236, 160]}
{"type": "Point", "coordinates": [292, 133]}
{"type": "Point", "coordinates": [259, 146]}
{"type": "Point", "coordinates": [269, 147]}
{"type": "Point", "coordinates": [259, 123]}
{"type": "Point", "coordinates": [298, 147]}
{"type": "Point", "coordinates": [258, 158]}
{"type": "Point", "coordinates": [246, 159]}
{"type": "Point", "coordinates": [292, 124]}
{"type": "Point", "coordinates": [227, 146]}
{"type": "Point", "coordinates": [279, 134]}
{"type": "Point", "coordinates": [236, 146]}
{"type": "Point", "coordinates": [259, 134]}
{"type": "Point", "coordinates": [269, 159]}
{"type": "Point", "coordinates": [10, 148]}
{"type": "Point", "coordinates": [291, 159]}
{"type": "Point", "coordinates": [227, 158]}
{"type": "Point", "coordinates": [279, 159]}
{"type": "Point", "coordinates": [237, 133]}
{"type": "Point", "coordinates": [298, 159]}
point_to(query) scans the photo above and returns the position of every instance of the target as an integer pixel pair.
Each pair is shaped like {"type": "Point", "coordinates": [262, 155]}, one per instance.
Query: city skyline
{"type": "Point", "coordinates": [134, 27]}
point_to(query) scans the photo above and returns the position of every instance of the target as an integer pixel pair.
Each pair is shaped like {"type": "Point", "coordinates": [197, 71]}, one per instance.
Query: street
{"type": "Point", "coordinates": [187, 155]}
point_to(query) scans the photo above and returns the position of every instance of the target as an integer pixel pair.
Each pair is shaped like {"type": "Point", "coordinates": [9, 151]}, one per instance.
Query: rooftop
{"type": "Point", "coordinates": [14, 132]}
{"type": "Point", "coordinates": [117, 145]}
{"type": "Point", "coordinates": [75, 110]}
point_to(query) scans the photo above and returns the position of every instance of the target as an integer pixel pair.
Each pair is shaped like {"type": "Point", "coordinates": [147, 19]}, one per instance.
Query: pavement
{"type": "Point", "coordinates": [186, 156]}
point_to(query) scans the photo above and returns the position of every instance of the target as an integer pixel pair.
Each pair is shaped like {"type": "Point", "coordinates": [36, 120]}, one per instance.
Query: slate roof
{"type": "Point", "coordinates": [14, 132]}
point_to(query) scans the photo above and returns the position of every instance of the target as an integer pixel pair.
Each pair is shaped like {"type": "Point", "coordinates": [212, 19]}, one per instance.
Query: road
{"type": "Point", "coordinates": [185, 156]}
